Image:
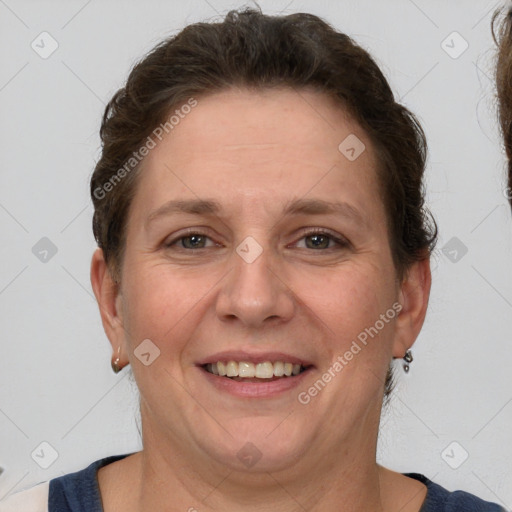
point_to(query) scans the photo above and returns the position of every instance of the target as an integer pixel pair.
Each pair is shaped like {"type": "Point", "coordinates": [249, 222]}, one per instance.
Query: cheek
{"type": "Point", "coordinates": [348, 298]}
{"type": "Point", "coordinates": [161, 305]}
{"type": "Point", "coordinates": [355, 309]}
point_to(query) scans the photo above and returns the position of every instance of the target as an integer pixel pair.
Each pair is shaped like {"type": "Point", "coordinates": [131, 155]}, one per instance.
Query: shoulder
{"type": "Point", "coordinates": [79, 491]}
{"type": "Point", "coordinates": [73, 492]}
{"type": "Point", "coordinates": [34, 499]}
{"type": "Point", "coordinates": [440, 499]}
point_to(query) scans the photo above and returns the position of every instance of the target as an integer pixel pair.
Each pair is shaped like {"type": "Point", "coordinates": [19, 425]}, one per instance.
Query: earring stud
{"type": "Point", "coordinates": [408, 359]}
{"type": "Point", "coordinates": [116, 368]}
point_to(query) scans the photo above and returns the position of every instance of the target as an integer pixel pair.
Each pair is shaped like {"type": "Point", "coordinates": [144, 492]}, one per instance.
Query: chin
{"type": "Point", "coordinates": [259, 444]}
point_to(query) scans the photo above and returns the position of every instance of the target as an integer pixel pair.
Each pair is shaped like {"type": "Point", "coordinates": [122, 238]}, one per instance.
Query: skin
{"type": "Point", "coordinates": [254, 152]}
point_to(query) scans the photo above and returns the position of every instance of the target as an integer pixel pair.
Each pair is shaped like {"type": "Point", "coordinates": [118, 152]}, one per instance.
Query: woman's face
{"type": "Point", "coordinates": [253, 237]}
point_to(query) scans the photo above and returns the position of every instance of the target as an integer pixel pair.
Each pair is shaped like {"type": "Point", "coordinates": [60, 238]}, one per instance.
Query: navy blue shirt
{"type": "Point", "coordinates": [79, 492]}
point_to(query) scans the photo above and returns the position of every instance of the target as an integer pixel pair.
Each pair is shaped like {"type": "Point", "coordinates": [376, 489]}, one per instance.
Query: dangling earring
{"type": "Point", "coordinates": [115, 362]}
{"type": "Point", "coordinates": [408, 359]}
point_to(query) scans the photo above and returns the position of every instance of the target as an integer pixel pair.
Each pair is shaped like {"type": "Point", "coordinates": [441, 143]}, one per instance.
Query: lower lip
{"type": "Point", "coordinates": [269, 389]}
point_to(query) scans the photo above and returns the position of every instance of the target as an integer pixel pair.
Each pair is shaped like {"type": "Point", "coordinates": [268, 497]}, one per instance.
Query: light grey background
{"type": "Point", "coordinates": [56, 385]}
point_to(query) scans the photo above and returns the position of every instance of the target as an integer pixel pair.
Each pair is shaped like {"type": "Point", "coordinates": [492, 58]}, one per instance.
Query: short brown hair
{"type": "Point", "coordinates": [253, 50]}
{"type": "Point", "coordinates": [502, 33]}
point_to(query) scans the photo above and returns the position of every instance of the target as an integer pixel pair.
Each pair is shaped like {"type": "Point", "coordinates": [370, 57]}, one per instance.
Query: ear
{"type": "Point", "coordinates": [413, 297]}
{"type": "Point", "coordinates": [108, 296]}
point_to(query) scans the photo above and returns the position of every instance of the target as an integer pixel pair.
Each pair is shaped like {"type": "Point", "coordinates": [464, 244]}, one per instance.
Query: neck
{"type": "Point", "coordinates": [195, 482]}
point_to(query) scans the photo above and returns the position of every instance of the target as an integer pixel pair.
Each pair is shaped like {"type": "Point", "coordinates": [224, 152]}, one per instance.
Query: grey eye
{"type": "Point", "coordinates": [193, 241]}
{"type": "Point", "coordinates": [317, 241]}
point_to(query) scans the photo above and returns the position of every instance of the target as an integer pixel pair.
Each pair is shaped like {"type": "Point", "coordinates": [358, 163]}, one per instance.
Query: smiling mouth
{"type": "Point", "coordinates": [250, 372]}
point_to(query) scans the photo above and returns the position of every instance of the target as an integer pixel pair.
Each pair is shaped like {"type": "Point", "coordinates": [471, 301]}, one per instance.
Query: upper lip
{"type": "Point", "coordinates": [254, 357]}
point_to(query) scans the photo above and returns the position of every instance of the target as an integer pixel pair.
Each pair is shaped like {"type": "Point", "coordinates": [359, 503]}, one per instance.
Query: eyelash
{"type": "Point", "coordinates": [341, 242]}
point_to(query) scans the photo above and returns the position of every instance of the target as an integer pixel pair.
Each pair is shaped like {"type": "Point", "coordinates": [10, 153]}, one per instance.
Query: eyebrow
{"type": "Point", "coordinates": [321, 207]}
{"type": "Point", "coordinates": [294, 207]}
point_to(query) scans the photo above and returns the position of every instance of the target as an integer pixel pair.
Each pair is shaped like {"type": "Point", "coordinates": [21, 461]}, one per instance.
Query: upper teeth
{"type": "Point", "coordinates": [265, 370]}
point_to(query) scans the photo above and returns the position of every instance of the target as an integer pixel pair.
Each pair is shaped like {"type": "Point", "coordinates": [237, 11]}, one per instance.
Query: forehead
{"type": "Point", "coordinates": [252, 145]}
{"type": "Point", "coordinates": [257, 121]}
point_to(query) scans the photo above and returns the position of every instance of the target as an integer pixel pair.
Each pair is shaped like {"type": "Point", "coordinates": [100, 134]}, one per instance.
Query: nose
{"type": "Point", "coordinates": [255, 293]}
